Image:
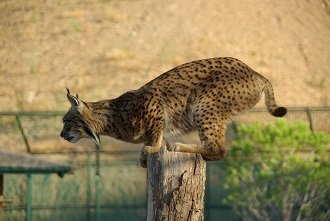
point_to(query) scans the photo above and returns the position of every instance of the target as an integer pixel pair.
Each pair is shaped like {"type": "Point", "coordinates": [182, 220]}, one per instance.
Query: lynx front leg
{"type": "Point", "coordinates": [152, 146]}
{"type": "Point", "coordinates": [153, 116]}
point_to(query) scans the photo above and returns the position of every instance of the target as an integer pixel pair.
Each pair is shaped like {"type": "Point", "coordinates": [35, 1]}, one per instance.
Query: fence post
{"type": "Point", "coordinates": [310, 120]}
{"type": "Point", "coordinates": [2, 201]}
{"type": "Point", "coordinates": [20, 127]}
{"type": "Point", "coordinates": [29, 197]}
{"type": "Point", "coordinates": [97, 184]}
{"type": "Point", "coordinates": [176, 185]}
{"type": "Point", "coordinates": [89, 187]}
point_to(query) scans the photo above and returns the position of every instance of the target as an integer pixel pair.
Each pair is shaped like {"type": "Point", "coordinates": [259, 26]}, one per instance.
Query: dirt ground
{"type": "Point", "coordinates": [102, 48]}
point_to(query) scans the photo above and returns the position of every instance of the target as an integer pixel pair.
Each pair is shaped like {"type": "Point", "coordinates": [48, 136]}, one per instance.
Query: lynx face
{"type": "Point", "coordinates": [75, 126]}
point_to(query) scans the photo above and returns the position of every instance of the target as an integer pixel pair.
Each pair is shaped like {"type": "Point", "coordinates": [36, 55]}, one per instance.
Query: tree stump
{"type": "Point", "coordinates": [176, 184]}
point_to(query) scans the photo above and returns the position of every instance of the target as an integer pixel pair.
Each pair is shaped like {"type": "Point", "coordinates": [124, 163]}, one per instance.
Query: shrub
{"type": "Point", "coordinates": [279, 172]}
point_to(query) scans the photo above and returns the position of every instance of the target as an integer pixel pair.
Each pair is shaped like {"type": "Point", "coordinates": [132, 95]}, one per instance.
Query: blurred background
{"type": "Point", "coordinates": [103, 48]}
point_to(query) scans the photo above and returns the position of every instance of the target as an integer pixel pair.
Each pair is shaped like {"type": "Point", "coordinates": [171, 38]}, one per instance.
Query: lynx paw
{"type": "Point", "coordinates": [144, 154]}
{"type": "Point", "coordinates": [143, 163]}
{"type": "Point", "coordinates": [216, 155]}
{"type": "Point", "coordinates": [143, 159]}
{"type": "Point", "coordinates": [171, 147]}
{"type": "Point", "coordinates": [178, 147]}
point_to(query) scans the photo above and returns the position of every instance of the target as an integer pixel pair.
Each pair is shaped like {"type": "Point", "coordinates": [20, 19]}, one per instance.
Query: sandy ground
{"type": "Point", "coordinates": [102, 48]}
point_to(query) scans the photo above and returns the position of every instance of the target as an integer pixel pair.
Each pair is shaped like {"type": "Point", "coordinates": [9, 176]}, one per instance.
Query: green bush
{"type": "Point", "coordinates": [279, 172]}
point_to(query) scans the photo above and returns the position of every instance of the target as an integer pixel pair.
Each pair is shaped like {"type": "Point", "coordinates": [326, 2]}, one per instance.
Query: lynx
{"type": "Point", "coordinates": [200, 95]}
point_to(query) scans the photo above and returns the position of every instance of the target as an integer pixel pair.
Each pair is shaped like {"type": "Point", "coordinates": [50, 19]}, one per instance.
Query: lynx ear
{"type": "Point", "coordinates": [76, 102]}
{"type": "Point", "coordinates": [72, 99]}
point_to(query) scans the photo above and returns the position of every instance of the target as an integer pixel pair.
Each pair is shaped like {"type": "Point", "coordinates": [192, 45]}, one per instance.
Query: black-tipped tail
{"type": "Point", "coordinates": [279, 112]}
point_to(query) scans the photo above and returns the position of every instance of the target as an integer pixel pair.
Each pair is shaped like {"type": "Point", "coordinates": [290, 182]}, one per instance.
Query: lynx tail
{"type": "Point", "coordinates": [273, 109]}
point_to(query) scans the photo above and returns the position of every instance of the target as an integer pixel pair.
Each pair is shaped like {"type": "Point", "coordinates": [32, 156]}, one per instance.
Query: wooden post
{"type": "Point", "coordinates": [176, 184]}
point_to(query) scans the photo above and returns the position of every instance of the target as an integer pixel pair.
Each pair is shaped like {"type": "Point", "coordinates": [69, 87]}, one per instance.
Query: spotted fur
{"type": "Point", "coordinates": [200, 95]}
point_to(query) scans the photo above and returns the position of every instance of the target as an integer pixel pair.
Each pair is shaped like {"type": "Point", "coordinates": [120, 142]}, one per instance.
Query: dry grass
{"type": "Point", "coordinates": [103, 48]}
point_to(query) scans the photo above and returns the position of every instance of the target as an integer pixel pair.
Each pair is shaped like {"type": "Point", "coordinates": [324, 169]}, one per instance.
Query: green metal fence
{"type": "Point", "coordinates": [122, 182]}
{"type": "Point", "coordinates": [123, 194]}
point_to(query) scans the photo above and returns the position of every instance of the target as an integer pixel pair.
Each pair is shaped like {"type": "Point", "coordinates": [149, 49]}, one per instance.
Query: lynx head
{"type": "Point", "coordinates": [75, 123]}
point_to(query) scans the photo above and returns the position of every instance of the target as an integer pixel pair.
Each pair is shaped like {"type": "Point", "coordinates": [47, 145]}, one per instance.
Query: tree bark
{"type": "Point", "coordinates": [176, 184]}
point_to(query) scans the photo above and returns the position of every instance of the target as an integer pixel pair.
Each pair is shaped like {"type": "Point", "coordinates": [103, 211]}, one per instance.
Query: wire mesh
{"type": "Point", "coordinates": [123, 182]}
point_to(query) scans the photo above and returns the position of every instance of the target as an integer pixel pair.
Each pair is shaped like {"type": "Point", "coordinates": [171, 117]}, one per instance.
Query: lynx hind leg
{"type": "Point", "coordinates": [212, 136]}
{"type": "Point", "coordinates": [212, 131]}
{"type": "Point", "coordinates": [213, 141]}
{"type": "Point", "coordinates": [211, 149]}
{"type": "Point", "coordinates": [214, 149]}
